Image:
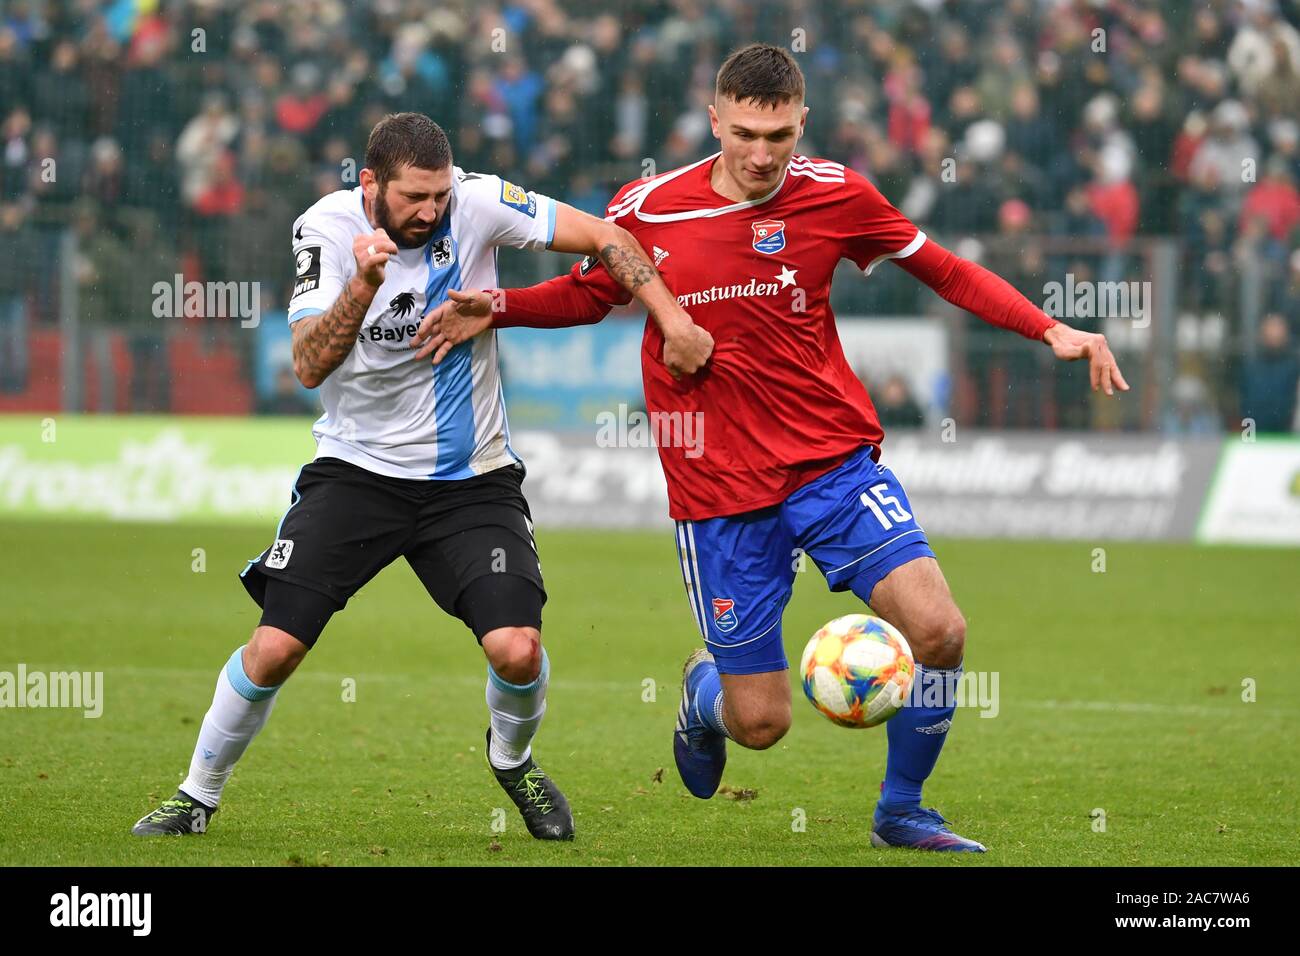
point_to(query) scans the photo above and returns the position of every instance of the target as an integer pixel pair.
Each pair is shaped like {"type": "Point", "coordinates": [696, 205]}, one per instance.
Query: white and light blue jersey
{"type": "Point", "coordinates": [385, 410]}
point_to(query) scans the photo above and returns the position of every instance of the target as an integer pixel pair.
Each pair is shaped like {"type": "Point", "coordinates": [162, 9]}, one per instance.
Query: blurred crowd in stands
{"type": "Point", "coordinates": [1040, 137]}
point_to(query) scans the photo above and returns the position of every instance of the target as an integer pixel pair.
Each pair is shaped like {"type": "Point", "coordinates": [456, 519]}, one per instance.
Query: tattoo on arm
{"type": "Point", "coordinates": [628, 264]}
{"type": "Point", "coordinates": [324, 340]}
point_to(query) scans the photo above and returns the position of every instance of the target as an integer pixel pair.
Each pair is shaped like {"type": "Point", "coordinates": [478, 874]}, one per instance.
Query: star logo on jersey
{"type": "Point", "coordinates": [786, 276]}
{"type": "Point", "coordinates": [402, 303]}
{"type": "Point", "coordinates": [724, 615]}
{"type": "Point", "coordinates": [769, 236]}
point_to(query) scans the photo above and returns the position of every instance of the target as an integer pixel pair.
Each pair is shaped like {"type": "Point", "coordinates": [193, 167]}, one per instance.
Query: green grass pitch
{"type": "Point", "coordinates": [1119, 691]}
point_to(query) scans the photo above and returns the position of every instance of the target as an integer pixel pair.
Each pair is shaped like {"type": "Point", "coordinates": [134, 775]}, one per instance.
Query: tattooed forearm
{"type": "Point", "coordinates": [627, 263]}
{"type": "Point", "coordinates": [322, 342]}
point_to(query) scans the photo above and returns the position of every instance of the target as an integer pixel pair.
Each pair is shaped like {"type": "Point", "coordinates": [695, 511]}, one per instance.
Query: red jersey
{"type": "Point", "coordinates": [779, 404]}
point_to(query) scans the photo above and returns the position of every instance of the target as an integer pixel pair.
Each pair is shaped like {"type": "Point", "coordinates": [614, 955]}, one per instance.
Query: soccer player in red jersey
{"type": "Point", "coordinates": [747, 239]}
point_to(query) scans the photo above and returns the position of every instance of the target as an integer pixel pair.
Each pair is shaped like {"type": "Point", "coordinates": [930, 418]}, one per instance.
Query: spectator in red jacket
{"type": "Point", "coordinates": [1113, 197]}
{"type": "Point", "coordinates": [301, 108]}
{"type": "Point", "coordinates": [1274, 203]}
{"type": "Point", "coordinates": [909, 110]}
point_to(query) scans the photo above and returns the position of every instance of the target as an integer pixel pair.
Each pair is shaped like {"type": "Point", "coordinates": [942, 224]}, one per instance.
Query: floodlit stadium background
{"type": "Point", "coordinates": [1141, 156]}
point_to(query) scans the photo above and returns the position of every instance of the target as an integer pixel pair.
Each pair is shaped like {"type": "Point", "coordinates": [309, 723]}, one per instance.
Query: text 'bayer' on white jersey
{"type": "Point", "coordinates": [385, 410]}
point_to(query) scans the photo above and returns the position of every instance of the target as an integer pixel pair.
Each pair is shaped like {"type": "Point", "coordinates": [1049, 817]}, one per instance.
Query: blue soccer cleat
{"type": "Point", "coordinates": [700, 752]}
{"type": "Point", "coordinates": [919, 830]}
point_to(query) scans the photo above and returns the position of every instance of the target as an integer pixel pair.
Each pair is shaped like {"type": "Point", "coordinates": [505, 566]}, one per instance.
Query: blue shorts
{"type": "Point", "coordinates": [856, 524]}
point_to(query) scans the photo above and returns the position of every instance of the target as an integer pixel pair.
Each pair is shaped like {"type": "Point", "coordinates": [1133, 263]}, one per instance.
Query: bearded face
{"type": "Point", "coordinates": [409, 233]}
{"type": "Point", "coordinates": [411, 205]}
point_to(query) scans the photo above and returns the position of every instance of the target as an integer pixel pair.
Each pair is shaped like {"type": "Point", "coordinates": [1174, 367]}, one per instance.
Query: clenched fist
{"type": "Point", "coordinates": [372, 253]}
{"type": "Point", "coordinates": [687, 348]}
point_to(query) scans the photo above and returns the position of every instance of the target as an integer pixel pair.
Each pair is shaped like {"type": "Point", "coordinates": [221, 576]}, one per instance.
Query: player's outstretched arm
{"type": "Point", "coordinates": [564, 301]}
{"type": "Point", "coordinates": [1070, 344]}
{"type": "Point", "coordinates": [970, 286]}
{"type": "Point", "coordinates": [559, 303]}
{"type": "Point", "coordinates": [687, 347]}
{"type": "Point", "coordinates": [624, 259]}
{"type": "Point", "coordinates": [321, 342]}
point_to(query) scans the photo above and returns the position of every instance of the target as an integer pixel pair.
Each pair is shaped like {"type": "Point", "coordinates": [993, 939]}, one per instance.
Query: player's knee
{"type": "Point", "coordinates": [272, 655]}
{"type": "Point", "coordinates": [515, 653]}
{"type": "Point", "coordinates": [762, 730]}
{"type": "Point", "coordinates": [940, 641]}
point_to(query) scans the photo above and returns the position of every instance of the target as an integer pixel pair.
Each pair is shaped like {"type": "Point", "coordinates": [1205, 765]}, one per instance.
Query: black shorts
{"type": "Point", "coordinates": [345, 525]}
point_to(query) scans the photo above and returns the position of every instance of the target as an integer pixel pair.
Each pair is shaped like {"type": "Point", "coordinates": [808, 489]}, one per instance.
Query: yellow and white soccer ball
{"type": "Point", "coordinates": [857, 670]}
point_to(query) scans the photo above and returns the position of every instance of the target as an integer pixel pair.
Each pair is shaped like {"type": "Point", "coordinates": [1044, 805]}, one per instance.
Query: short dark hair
{"type": "Point", "coordinates": [760, 72]}
{"type": "Point", "coordinates": [406, 139]}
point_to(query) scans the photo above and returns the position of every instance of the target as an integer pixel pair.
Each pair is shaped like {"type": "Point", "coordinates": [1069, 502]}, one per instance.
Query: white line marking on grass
{"type": "Point", "coordinates": [1229, 707]}
{"type": "Point", "coordinates": [1133, 707]}
{"type": "Point", "coordinates": [333, 677]}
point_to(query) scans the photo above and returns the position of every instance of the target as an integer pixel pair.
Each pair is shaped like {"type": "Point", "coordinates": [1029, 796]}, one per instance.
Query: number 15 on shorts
{"type": "Point", "coordinates": [887, 509]}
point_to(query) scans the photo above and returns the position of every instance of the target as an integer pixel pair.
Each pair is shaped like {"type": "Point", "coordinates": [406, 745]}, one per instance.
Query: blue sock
{"type": "Point", "coordinates": [708, 700]}
{"type": "Point", "coordinates": [916, 735]}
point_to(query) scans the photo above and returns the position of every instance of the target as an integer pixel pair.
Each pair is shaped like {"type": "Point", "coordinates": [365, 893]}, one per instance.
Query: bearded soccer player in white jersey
{"type": "Point", "coordinates": [412, 462]}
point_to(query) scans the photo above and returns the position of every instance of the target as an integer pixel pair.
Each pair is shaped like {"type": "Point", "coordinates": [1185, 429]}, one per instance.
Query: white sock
{"type": "Point", "coordinates": [516, 712]}
{"type": "Point", "coordinates": [239, 710]}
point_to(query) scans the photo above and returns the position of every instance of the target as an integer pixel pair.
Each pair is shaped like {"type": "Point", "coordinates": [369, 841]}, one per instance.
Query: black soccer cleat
{"type": "Point", "coordinates": [545, 811]}
{"type": "Point", "coordinates": [179, 816]}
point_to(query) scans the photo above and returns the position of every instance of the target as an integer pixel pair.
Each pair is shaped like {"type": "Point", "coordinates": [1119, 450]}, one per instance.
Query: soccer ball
{"type": "Point", "coordinates": [857, 670]}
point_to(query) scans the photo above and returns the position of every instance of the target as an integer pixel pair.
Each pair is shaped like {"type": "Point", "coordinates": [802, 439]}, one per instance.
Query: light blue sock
{"type": "Point", "coordinates": [916, 735]}
{"type": "Point", "coordinates": [239, 710]}
{"type": "Point", "coordinates": [708, 700]}
{"type": "Point", "coordinates": [515, 713]}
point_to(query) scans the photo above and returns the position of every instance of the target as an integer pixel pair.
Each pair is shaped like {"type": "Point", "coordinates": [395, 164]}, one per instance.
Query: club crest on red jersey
{"type": "Point", "coordinates": [769, 235]}
{"type": "Point", "coordinates": [724, 615]}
